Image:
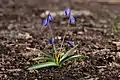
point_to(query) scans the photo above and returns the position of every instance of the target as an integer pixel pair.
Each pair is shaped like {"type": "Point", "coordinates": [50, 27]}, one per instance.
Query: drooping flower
{"type": "Point", "coordinates": [52, 40]}
{"type": "Point", "coordinates": [50, 17]}
{"type": "Point", "coordinates": [71, 19]}
{"type": "Point", "coordinates": [45, 22]}
{"type": "Point", "coordinates": [71, 43]}
{"type": "Point", "coordinates": [67, 12]}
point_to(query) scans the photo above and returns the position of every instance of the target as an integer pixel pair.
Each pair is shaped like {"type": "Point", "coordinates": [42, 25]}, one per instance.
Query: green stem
{"type": "Point", "coordinates": [50, 29]}
{"type": "Point", "coordinates": [63, 41]}
{"type": "Point", "coordinates": [54, 49]}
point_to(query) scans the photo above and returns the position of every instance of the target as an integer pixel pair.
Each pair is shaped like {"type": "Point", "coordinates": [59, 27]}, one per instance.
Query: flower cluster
{"type": "Point", "coordinates": [67, 12]}
{"type": "Point", "coordinates": [45, 22]}
{"type": "Point", "coordinates": [49, 18]}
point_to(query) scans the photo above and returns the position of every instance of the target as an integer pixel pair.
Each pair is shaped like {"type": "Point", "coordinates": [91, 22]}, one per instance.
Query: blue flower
{"type": "Point", "coordinates": [52, 40]}
{"type": "Point", "coordinates": [67, 12]}
{"type": "Point", "coordinates": [71, 43]}
{"type": "Point", "coordinates": [50, 17]}
{"type": "Point", "coordinates": [45, 22]}
{"type": "Point", "coordinates": [71, 19]}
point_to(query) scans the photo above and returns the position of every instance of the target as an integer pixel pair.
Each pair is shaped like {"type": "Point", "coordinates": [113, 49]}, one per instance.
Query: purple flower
{"type": "Point", "coordinates": [52, 40]}
{"type": "Point", "coordinates": [50, 17]}
{"type": "Point", "coordinates": [71, 43]}
{"type": "Point", "coordinates": [45, 22]}
{"type": "Point", "coordinates": [71, 19]}
{"type": "Point", "coordinates": [67, 12]}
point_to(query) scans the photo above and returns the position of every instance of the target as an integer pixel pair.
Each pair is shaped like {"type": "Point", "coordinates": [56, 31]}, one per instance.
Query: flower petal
{"type": "Point", "coordinates": [50, 17]}
{"type": "Point", "coordinates": [67, 12]}
{"type": "Point", "coordinates": [45, 22]}
{"type": "Point", "coordinates": [71, 19]}
{"type": "Point", "coordinates": [71, 43]}
{"type": "Point", "coordinates": [52, 40]}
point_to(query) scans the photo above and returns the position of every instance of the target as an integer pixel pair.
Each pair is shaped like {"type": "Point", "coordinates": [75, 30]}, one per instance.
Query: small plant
{"type": "Point", "coordinates": [58, 57]}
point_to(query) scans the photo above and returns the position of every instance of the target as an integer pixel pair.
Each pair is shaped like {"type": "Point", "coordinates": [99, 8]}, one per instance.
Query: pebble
{"type": "Point", "coordinates": [118, 54]}
{"type": "Point", "coordinates": [80, 32]}
{"type": "Point", "coordinates": [10, 26]}
{"type": "Point", "coordinates": [119, 76]}
{"type": "Point", "coordinates": [59, 37]}
{"type": "Point", "coordinates": [103, 21]}
{"type": "Point", "coordinates": [15, 74]}
{"type": "Point", "coordinates": [2, 69]}
{"type": "Point", "coordinates": [24, 36]}
{"type": "Point", "coordinates": [5, 76]}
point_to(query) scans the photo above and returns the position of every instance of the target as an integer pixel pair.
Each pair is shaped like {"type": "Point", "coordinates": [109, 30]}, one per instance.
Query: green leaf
{"type": "Point", "coordinates": [74, 57]}
{"type": "Point", "coordinates": [43, 58]}
{"type": "Point", "coordinates": [68, 53]}
{"type": "Point", "coordinates": [83, 57]}
{"type": "Point", "coordinates": [42, 65]}
{"type": "Point", "coordinates": [54, 47]}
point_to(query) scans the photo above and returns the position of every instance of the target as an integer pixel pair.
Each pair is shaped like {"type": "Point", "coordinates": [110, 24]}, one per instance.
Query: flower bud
{"type": "Point", "coordinates": [71, 43]}
{"type": "Point", "coordinates": [50, 17]}
{"type": "Point", "coordinates": [71, 19]}
{"type": "Point", "coordinates": [52, 40]}
{"type": "Point", "coordinates": [45, 22]}
{"type": "Point", "coordinates": [67, 12]}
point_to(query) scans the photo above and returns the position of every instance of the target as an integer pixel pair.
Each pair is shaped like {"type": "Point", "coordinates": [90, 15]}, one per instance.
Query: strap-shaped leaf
{"type": "Point", "coordinates": [68, 53]}
{"type": "Point", "coordinates": [42, 65]}
{"type": "Point", "coordinates": [74, 57]}
{"type": "Point", "coordinates": [43, 58]}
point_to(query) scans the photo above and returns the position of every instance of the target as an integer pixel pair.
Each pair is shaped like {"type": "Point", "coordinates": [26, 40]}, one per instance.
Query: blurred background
{"type": "Point", "coordinates": [21, 7]}
{"type": "Point", "coordinates": [94, 5]}
{"type": "Point", "coordinates": [55, 4]}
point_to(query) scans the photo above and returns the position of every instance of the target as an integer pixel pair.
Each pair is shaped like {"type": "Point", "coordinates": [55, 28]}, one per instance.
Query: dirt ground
{"type": "Point", "coordinates": [22, 35]}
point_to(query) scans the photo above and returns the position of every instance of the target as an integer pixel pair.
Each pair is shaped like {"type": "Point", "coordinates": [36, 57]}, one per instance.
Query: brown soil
{"type": "Point", "coordinates": [22, 35]}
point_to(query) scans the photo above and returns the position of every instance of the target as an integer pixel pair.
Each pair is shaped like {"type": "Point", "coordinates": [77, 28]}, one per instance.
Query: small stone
{"type": "Point", "coordinates": [119, 76]}
{"type": "Point", "coordinates": [2, 69]}
{"type": "Point", "coordinates": [27, 36]}
{"type": "Point", "coordinates": [59, 38]}
{"type": "Point", "coordinates": [116, 43]}
{"type": "Point", "coordinates": [82, 20]}
{"type": "Point", "coordinates": [105, 26]}
{"type": "Point", "coordinates": [28, 63]}
{"type": "Point", "coordinates": [15, 74]}
{"type": "Point", "coordinates": [24, 36]}
{"type": "Point", "coordinates": [118, 54]}
{"type": "Point", "coordinates": [10, 26]}
{"type": "Point", "coordinates": [5, 76]}
{"type": "Point", "coordinates": [80, 32]}
{"type": "Point", "coordinates": [103, 21]}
